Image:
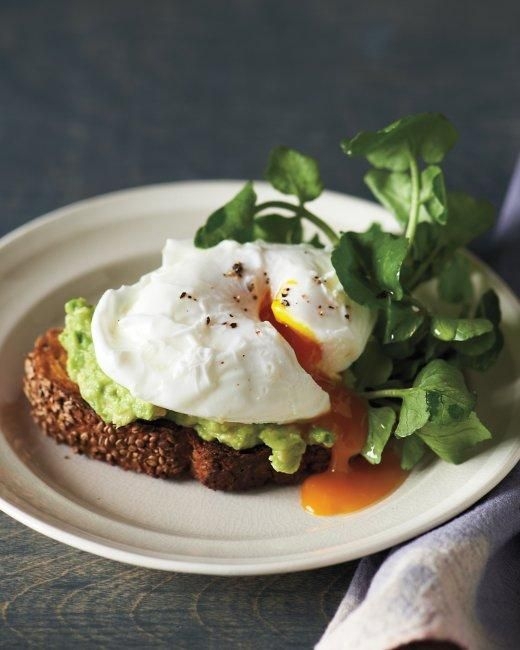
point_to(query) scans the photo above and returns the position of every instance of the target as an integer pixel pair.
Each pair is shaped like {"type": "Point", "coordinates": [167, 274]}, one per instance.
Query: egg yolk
{"type": "Point", "coordinates": [350, 482]}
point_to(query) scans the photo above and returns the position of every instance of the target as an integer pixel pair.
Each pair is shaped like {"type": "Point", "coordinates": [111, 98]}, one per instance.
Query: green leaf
{"type": "Point", "coordinates": [485, 359]}
{"type": "Point", "coordinates": [489, 307]}
{"type": "Point", "coordinates": [433, 348]}
{"type": "Point", "coordinates": [454, 280]}
{"type": "Point", "coordinates": [452, 441]}
{"type": "Point", "coordinates": [426, 135]}
{"type": "Point", "coordinates": [397, 351]}
{"type": "Point", "coordinates": [291, 172]}
{"type": "Point", "coordinates": [447, 395]}
{"type": "Point", "coordinates": [234, 220]}
{"type": "Point", "coordinates": [315, 241]}
{"type": "Point", "coordinates": [393, 190]}
{"type": "Point", "coordinates": [420, 265]}
{"type": "Point", "coordinates": [476, 346]}
{"type": "Point", "coordinates": [412, 451]}
{"type": "Point", "coordinates": [438, 394]}
{"type": "Point", "coordinates": [459, 329]}
{"type": "Point", "coordinates": [467, 218]}
{"type": "Point", "coordinates": [433, 195]}
{"type": "Point", "coordinates": [481, 353]}
{"type": "Point", "coordinates": [380, 424]}
{"type": "Point", "coordinates": [401, 322]}
{"type": "Point", "coordinates": [368, 265]}
{"type": "Point", "coordinates": [425, 241]}
{"type": "Point", "coordinates": [277, 229]}
{"type": "Point", "coordinates": [373, 367]}
{"type": "Point", "coordinates": [414, 412]}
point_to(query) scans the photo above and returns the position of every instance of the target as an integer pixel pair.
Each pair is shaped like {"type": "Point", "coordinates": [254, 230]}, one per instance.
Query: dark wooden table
{"type": "Point", "coordinates": [101, 95]}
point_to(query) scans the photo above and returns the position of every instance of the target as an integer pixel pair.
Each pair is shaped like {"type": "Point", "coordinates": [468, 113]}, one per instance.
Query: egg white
{"type": "Point", "coordinates": [188, 336]}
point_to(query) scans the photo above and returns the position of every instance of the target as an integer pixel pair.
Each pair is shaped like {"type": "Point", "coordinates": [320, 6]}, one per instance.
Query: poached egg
{"type": "Point", "coordinates": [230, 333]}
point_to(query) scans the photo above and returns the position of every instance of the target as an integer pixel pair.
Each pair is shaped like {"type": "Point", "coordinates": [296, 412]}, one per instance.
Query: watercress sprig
{"type": "Point", "coordinates": [244, 219]}
{"type": "Point", "coordinates": [410, 370]}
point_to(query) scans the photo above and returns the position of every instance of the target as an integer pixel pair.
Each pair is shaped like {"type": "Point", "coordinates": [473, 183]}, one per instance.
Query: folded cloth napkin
{"type": "Point", "coordinates": [459, 583]}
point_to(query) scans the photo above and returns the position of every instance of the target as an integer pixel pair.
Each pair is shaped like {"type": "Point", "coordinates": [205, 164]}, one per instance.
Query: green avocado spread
{"type": "Point", "coordinates": [115, 404]}
{"type": "Point", "coordinates": [112, 402]}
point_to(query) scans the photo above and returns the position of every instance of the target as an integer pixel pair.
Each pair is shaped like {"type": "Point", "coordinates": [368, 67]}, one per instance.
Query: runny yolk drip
{"type": "Point", "coordinates": [350, 482]}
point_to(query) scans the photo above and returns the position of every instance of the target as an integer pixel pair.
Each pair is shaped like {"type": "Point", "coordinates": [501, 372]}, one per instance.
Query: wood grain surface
{"type": "Point", "coordinates": [55, 596]}
{"type": "Point", "coordinates": [101, 95]}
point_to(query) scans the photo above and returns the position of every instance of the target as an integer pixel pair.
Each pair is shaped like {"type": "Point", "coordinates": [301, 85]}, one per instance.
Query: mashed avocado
{"type": "Point", "coordinates": [115, 404]}
{"type": "Point", "coordinates": [112, 402]}
{"type": "Point", "coordinates": [287, 441]}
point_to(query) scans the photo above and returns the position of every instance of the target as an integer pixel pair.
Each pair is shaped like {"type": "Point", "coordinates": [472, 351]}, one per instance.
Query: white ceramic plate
{"type": "Point", "coordinates": [90, 246]}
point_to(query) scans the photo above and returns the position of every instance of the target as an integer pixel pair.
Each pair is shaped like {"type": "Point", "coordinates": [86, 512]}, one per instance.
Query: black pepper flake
{"type": "Point", "coordinates": [233, 325]}
{"type": "Point", "coordinates": [250, 286]}
{"type": "Point", "coordinates": [347, 316]}
{"type": "Point", "coordinates": [183, 295]}
{"type": "Point", "coordinates": [208, 320]}
{"type": "Point", "coordinates": [285, 303]}
{"type": "Point", "coordinates": [332, 307]}
{"type": "Point", "coordinates": [255, 297]}
{"type": "Point", "coordinates": [236, 271]}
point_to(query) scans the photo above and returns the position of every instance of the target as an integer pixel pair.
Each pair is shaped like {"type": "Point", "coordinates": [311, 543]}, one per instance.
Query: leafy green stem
{"type": "Point", "coordinates": [301, 211]}
{"type": "Point", "coordinates": [384, 393]}
{"type": "Point", "coordinates": [319, 223]}
{"type": "Point", "coordinates": [415, 200]}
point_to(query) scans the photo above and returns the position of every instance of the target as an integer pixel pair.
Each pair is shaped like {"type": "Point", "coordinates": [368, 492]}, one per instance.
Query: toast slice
{"type": "Point", "coordinates": [160, 448]}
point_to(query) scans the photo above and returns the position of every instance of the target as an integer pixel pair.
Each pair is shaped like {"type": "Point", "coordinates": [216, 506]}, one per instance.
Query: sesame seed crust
{"type": "Point", "coordinates": [161, 449]}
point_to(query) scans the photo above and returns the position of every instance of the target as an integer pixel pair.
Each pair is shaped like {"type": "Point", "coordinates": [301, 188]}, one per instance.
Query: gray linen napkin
{"type": "Point", "coordinates": [460, 582]}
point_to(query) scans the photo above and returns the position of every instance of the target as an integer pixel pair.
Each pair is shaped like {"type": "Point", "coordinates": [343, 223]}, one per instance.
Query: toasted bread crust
{"type": "Point", "coordinates": [160, 448]}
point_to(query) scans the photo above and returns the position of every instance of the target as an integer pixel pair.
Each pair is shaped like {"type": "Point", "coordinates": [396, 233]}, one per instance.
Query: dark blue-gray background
{"type": "Point", "coordinates": [97, 96]}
